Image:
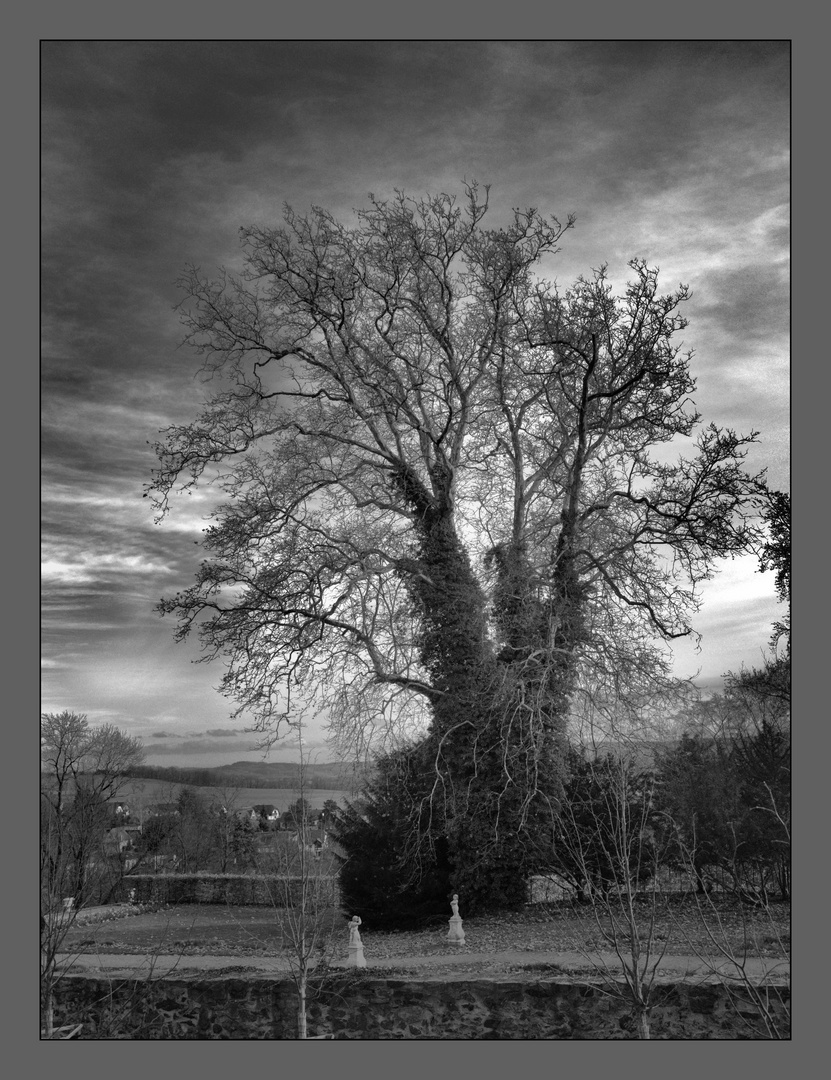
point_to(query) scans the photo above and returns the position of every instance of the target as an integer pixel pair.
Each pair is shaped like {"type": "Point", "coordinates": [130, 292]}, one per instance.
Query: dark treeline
{"type": "Point", "coordinates": [221, 778]}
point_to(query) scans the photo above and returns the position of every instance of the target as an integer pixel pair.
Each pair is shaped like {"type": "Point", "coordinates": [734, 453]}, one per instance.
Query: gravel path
{"type": "Point", "coordinates": [518, 967]}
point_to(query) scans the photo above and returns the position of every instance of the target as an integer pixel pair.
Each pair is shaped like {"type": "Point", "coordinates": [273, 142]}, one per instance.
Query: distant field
{"type": "Point", "coordinates": [140, 793]}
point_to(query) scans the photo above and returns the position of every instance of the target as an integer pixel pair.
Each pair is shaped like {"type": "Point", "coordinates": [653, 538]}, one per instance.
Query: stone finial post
{"type": "Point", "coordinates": [455, 935]}
{"type": "Point", "coordinates": [356, 946]}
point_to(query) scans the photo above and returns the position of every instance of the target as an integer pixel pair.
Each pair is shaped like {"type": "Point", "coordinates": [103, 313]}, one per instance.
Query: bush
{"type": "Point", "coordinates": [605, 837]}
{"type": "Point", "coordinates": [394, 871]}
{"type": "Point", "coordinates": [726, 797]}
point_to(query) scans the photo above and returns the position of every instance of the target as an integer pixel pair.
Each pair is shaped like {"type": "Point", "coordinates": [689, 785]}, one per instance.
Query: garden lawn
{"type": "Point", "coordinates": [256, 931]}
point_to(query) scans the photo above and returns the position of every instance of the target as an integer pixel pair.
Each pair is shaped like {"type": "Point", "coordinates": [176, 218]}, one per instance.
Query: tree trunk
{"type": "Point", "coordinates": [48, 1009]}
{"type": "Point", "coordinates": [700, 883]}
{"type": "Point", "coordinates": [301, 1005]}
{"type": "Point", "coordinates": [643, 1024]}
{"type": "Point", "coordinates": [784, 876]}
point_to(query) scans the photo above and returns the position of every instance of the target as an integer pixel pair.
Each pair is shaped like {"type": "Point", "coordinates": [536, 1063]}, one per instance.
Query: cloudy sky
{"type": "Point", "coordinates": [155, 153]}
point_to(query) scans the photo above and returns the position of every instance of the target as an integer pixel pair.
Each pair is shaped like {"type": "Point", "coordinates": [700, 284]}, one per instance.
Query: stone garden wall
{"type": "Point", "coordinates": [359, 1006]}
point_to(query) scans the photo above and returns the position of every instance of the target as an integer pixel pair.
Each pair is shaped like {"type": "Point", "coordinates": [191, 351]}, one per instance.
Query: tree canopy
{"type": "Point", "coordinates": [75, 756]}
{"type": "Point", "coordinates": [448, 488]}
{"type": "Point", "coordinates": [776, 555]}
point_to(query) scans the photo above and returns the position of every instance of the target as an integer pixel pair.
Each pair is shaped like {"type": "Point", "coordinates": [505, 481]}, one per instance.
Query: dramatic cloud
{"type": "Point", "coordinates": [155, 153]}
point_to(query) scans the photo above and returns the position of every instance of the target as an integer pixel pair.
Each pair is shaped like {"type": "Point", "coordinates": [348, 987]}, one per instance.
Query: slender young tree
{"type": "Point", "coordinates": [608, 846]}
{"type": "Point", "coordinates": [446, 489]}
{"type": "Point", "coordinates": [737, 941]}
{"type": "Point", "coordinates": [305, 904]}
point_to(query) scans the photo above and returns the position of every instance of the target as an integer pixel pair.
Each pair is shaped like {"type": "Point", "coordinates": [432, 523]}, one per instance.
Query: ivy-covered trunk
{"type": "Point", "coordinates": [518, 764]}
{"type": "Point", "coordinates": [496, 738]}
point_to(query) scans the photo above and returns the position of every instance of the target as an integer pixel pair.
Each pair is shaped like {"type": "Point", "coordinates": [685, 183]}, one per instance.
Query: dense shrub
{"type": "Point", "coordinates": [698, 796]}
{"type": "Point", "coordinates": [604, 839]}
{"type": "Point", "coordinates": [726, 793]}
{"type": "Point", "coordinates": [394, 870]}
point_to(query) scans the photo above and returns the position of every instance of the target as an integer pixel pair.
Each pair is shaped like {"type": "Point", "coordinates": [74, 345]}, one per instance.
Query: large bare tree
{"type": "Point", "coordinates": [448, 487]}
{"type": "Point", "coordinates": [81, 768]}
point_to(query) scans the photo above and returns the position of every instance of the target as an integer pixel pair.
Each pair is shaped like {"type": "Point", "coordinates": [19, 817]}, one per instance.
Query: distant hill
{"type": "Point", "coordinates": [332, 775]}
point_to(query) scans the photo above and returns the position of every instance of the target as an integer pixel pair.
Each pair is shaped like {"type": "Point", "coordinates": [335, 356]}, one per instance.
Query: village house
{"type": "Point", "coordinates": [116, 842]}
{"type": "Point", "coordinates": [265, 812]}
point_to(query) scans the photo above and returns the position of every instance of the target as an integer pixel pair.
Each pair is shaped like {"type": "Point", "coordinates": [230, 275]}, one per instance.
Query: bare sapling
{"type": "Point", "coordinates": [735, 955]}
{"type": "Point", "coordinates": [607, 841]}
{"type": "Point", "coordinates": [305, 902]}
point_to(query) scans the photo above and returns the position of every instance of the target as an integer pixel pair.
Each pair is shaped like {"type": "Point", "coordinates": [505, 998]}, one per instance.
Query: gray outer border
{"type": "Point", "coordinates": [99, 21]}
